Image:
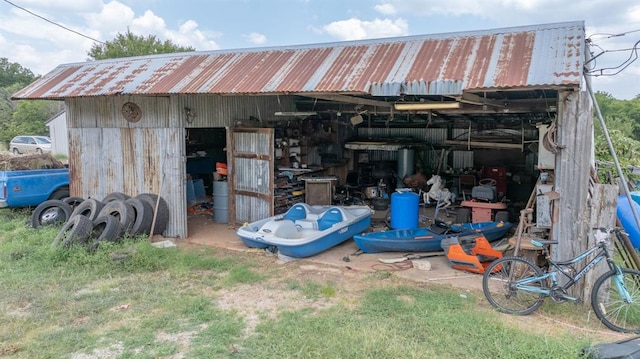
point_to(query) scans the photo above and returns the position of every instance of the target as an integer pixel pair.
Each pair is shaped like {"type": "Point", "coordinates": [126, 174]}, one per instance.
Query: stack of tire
{"type": "Point", "coordinates": [89, 221]}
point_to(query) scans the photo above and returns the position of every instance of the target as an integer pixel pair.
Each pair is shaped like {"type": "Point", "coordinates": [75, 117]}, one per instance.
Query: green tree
{"type": "Point", "coordinates": [622, 118]}
{"type": "Point", "coordinates": [130, 44]}
{"type": "Point", "coordinates": [30, 119]}
{"type": "Point", "coordinates": [14, 74]}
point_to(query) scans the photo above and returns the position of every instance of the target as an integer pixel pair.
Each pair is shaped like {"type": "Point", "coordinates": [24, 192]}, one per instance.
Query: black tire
{"type": "Point", "coordinates": [60, 193]}
{"type": "Point", "coordinates": [76, 231]}
{"type": "Point", "coordinates": [611, 308]}
{"type": "Point", "coordinates": [501, 216]}
{"type": "Point", "coordinates": [15, 151]}
{"type": "Point", "coordinates": [115, 196]}
{"type": "Point", "coordinates": [498, 285]}
{"type": "Point", "coordinates": [73, 201]}
{"type": "Point", "coordinates": [50, 212]}
{"type": "Point", "coordinates": [162, 215]}
{"type": "Point", "coordinates": [122, 211]}
{"type": "Point", "coordinates": [143, 216]}
{"type": "Point", "coordinates": [106, 228]}
{"type": "Point", "coordinates": [89, 208]}
{"type": "Point", "coordinates": [463, 215]}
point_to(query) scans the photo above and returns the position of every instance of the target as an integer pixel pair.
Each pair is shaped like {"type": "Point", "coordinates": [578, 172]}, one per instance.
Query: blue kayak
{"type": "Point", "coordinates": [427, 239]}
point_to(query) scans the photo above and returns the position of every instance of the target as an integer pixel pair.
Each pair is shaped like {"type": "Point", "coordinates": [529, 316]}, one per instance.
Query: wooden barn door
{"type": "Point", "coordinates": [251, 174]}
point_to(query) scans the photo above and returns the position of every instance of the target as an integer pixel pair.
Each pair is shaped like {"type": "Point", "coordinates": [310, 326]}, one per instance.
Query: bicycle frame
{"type": "Point", "coordinates": [556, 267]}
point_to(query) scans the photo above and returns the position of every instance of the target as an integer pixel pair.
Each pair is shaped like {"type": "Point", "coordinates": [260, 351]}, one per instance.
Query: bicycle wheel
{"type": "Point", "coordinates": [609, 305]}
{"type": "Point", "coordinates": [499, 285]}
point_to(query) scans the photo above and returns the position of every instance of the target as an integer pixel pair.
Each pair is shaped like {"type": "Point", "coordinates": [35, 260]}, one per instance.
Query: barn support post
{"type": "Point", "coordinates": [571, 224]}
{"type": "Point", "coordinates": [602, 213]}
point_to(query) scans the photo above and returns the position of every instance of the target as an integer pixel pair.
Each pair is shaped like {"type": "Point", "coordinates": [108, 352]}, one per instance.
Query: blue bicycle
{"type": "Point", "coordinates": [514, 285]}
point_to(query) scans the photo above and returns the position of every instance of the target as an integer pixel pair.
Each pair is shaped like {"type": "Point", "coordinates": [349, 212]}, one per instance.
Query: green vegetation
{"type": "Point", "coordinates": [130, 44]}
{"type": "Point", "coordinates": [28, 117]}
{"type": "Point", "coordinates": [134, 300]}
{"type": "Point", "coordinates": [21, 117]}
{"type": "Point", "coordinates": [622, 118]}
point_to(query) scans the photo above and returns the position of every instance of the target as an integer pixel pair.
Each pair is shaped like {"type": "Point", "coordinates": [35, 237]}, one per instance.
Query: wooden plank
{"type": "Point", "coordinates": [602, 214]}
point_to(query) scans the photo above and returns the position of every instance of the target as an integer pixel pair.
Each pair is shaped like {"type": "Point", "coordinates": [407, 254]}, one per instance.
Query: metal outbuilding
{"type": "Point", "coordinates": [510, 70]}
{"type": "Point", "coordinates": [444, 64]}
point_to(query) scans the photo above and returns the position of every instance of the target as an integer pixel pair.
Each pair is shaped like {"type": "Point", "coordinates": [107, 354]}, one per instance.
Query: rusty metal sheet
{"type": "Point", "coordinates": [440, 64]}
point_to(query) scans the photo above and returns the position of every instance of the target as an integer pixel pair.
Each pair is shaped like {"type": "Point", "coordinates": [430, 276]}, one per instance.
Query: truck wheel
{"type": "Point", "coordinates": [106, 228]}
{"type": "Point", "coordinates": [122, 211]}
{"type": "Point", "coordinates": [162, 216]}
{"type": "Point", "coordinates": [77, 230]}
{"type": "Point", "coordinates": [143, 216]}
{"type": "Point", "coordinates": [60, 193]}
{"type": "Point", "coordinates": [115, 196]}
{"type": "Point", "coordinates": [463, 215]}
{"type": "Point", "coordinates": [89, 208]}
{"type": "Point", "coordinates": [50, 212]}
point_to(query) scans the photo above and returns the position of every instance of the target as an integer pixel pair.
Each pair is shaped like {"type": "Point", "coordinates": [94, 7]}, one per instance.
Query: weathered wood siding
{"type": "Point", "coordinates": [572, 211]}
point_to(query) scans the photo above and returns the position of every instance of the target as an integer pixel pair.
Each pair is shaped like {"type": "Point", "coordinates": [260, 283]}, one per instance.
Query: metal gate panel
{"type": "Point", "coordinates": [251, 174]}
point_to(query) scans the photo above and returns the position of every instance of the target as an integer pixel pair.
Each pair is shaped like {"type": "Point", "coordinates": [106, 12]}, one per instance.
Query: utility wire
{"type": "Point", "coordinates": [590, 65]}
{"type": "Point", "coordinates": [51, 22]}
{"type": "Point", "coordinates": [633, 56]}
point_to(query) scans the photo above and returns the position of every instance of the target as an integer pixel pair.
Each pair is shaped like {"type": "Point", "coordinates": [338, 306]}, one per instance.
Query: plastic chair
{"type": "Point", "coordinates": [298, 211]}
{"type": "Point", "coordinates": [329, 218]}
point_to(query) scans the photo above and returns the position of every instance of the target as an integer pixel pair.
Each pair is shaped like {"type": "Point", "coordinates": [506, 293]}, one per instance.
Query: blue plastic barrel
{"type": "Point", "coordinates": [627, 220]}
{"type": "Point", "coordinates": [198, 189]}
{"type": "Point", "coordinates": [404, 210]}
{"type": "Point", "coordinates": [220, 202]}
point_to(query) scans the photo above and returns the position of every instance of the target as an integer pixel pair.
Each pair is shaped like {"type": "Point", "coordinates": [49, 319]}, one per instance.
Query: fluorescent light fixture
{"type": "Point", "coordinates": [417, 106]}
{"type": "Point", "coordinates": [295, 113]}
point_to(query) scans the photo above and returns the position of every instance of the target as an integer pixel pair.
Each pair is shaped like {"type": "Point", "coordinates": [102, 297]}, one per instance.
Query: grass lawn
{"type": "Point", "coordinates": [132, 300]}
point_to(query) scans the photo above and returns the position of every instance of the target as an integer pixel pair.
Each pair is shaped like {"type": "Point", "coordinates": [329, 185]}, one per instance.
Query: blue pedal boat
{"type": "Point", "coordinates": [306, 230]}
{"type": "Point", "coordinates": [427, 239]}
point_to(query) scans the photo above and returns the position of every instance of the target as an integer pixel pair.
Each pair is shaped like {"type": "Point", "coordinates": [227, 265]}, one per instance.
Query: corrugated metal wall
{"type": "Point", "coordinates": [226, 111]}
{"type": "Point", "coordinates": [109, 154]}
{"type": "Point", "coordinates": [428, 135]}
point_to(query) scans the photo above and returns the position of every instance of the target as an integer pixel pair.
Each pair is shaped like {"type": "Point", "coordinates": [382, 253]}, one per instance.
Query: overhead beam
{"type": "Point", "coordinates": [474, 99]}
{"type": "Point", "coordinates": [347, 99]}
{"type": "Point", "coordinates": [480, 144]}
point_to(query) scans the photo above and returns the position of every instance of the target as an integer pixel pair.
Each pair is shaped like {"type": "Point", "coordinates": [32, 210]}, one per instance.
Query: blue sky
{"type": "Point", "coordinates": [232, 24]}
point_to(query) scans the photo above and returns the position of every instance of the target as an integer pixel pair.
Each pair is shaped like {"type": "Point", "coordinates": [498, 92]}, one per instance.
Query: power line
{"type": "Point", "coordinates": [54, 23]}
{"type": "Point", "coordinates": [633, 55]}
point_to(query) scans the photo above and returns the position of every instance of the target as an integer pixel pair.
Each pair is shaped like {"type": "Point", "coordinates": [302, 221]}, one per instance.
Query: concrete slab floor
{"type": "Point", "coordinates": [203, 230]}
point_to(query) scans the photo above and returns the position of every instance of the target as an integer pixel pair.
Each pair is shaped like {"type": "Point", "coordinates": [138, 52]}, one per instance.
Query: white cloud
{"type": "Point", "coordinates": [41, 46]}
{"type": "Point", "coordinates": [385, 9]}
{"type": "Point", "coordinates": [113, 18]}
{"type": "Point", "coordinates": [255, 38]}
{"type": "Point", "coordinates": [356, 29]}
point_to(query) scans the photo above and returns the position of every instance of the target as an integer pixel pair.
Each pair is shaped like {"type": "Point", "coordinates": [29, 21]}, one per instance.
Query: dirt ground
{"type": "Point", "coordinates": [353, 273]}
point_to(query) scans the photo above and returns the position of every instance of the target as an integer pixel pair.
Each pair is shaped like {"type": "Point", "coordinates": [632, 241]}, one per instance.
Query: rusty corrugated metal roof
{"type": "Point", "coordinates": [441, 64]}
